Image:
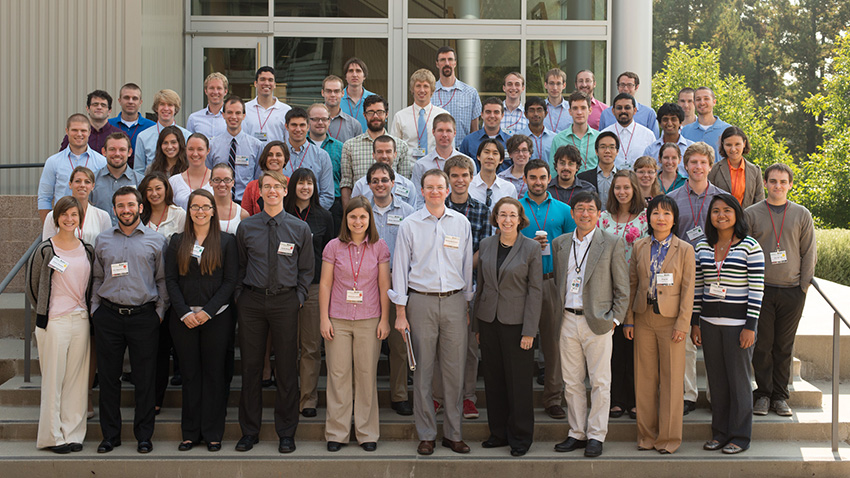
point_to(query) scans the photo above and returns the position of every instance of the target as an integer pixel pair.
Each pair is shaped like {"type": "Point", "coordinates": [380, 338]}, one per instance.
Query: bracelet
{"type": "Point", "coordinates": [628, 325]}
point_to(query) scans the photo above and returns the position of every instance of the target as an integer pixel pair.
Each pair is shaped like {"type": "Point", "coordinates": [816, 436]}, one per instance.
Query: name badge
{"type": "Point", "coordinates": [261, 136]}
{"type": "Point", "coordinates": [778, 257]}
{"type": "Point", "coordinates": [695, 233]}
{"type": "Point", "coordinates": [547, 251]}
{"type": "Point", "coordinates": [402, 191]}
{"type": "Point", "coordinates": [197, 250]}
{"type": "Point", "coordinates": [241, 160]}
{"type": "Point", "coordinates": [417, 152]}
{"type": "Point", "coordinates": [575, 285]}
{"type": "Point", "coordinates": [394, 219]}
{"type": "Point", "coordinates": [717, 290]}
{"type": "Point", "coordinates": [58, 264]}
{"type": "Point", "coordinates": [120, 269]}
{"type": "Point", "coordinates": [354, 296]}
{"type": "Point", "coordinates": [452, 242]}
{"type": "Point", "coordinates": [285, 248]}
{"type": "Point", "coordinates": [665, 278]}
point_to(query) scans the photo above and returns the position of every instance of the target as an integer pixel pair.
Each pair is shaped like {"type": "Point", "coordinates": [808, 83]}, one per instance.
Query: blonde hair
{"type": "Point", "coordinates": [169, 97]}
{"type": "Point", "coordinates": [700, 147]}
{"type": "Point", "coordinates": [216, 76]}
{"type": "Point", "coordinates": [423, 75]}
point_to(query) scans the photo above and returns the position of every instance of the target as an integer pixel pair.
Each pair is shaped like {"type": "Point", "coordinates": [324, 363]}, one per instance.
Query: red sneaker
{"type": "Point", "coordinates": [469, 410]}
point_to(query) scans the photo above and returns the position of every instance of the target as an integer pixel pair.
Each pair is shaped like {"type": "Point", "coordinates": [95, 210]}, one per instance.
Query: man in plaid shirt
{"type": "Point", "coordinates": [456, 97]}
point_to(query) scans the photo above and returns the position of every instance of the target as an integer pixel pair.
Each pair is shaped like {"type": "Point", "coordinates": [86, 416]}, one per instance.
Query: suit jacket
{"type": "Point", "coordinates": [753, 183]}
{"type": "Point", "coordinates": [516, 295]}
{"type": "Point", "coordinates": [675, 300]}
{"type": "Point", "coordinates": [605, 292]}
{"type": "Point", "coordinates": [195, 289]}
{"type": "Point", "coordinates": [589, 176]}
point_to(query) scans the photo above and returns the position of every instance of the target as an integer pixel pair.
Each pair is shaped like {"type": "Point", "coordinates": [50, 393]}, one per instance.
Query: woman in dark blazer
{"type": "Point", "coordinates": [507, 306]}
{"type": "Point", "coordinates": [201, 266]}
{"type": "Point", "coordinates": [733, 146]}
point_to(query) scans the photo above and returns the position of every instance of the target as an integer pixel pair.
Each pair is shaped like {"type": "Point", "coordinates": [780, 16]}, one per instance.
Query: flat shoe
{"type": "Point", "coordinates": [633, 414]}
{"type": "Point", "coordinates": [369, 446]}
{"type": "Point", "coordinates": [519, 451]}
{"type": "Point", "coordinates": [663, 452]}
{"type": "Point", "coordinates": [186, 446]}
{"type": "Point", "coordinates": [494, 442]}
{"type": "Point", "coordinates": [570, 444]}
{"type": "Point", "coordinates": [616, 413]}
{"type": "Point", "coordinates": [61, 449]}
{"type": "Point", "coordinates": [309, 413]}
{"type": "Point", "coordinates": [732, 449]}
{"type": "Point", "coordinates": [712, 445]}
{"type": "Point", "coordinates": [214, 446]}
{"type": "Point", "coordinates": [334, 446]}
{"type": "Point", "coordinates": [144, 446]}
{"type": "Point", "coordinates": [247, 442]}
{"type": "Point", "coordinates": [75, 447]}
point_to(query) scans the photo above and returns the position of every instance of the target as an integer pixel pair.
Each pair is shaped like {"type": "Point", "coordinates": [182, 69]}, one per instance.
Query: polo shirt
{"type": "Point", "coordinates": [711, 135]}
{"type": "Point", "coordinates": [551, 216]}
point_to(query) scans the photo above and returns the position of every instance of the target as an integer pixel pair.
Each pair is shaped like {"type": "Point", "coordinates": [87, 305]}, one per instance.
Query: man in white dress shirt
{"type": "Point", "coordinates": [415, 123]}
{"type": "Point", "coordinates": [634, 138]}
{"type": "Point", "coordinates": [209, 121]}
{"type": "Point", "coordinates": [265, 115]}
{"type": "Point", "coordinates": [486, 187]}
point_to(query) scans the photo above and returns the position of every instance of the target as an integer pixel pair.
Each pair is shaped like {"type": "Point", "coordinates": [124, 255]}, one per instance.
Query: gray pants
{"type": "Point", "coordinates": [470, 368]}
{"type": "Point", "coordinates": [438, 327]}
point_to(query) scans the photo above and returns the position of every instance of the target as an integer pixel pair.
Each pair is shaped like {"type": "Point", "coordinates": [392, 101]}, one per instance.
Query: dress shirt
{"type": "Point", "coordinates": [711, 135]}
{"type": "Point", "coordinates": [644, 116]}
{"type": "Point", "coordinates": [551, 216]}
{"type": "Point", "coordinates": [97, 137]}
{"type": "Point", "coordinates": [430, 161]}
{"type": "Point", "coordinates": [143, 251]}
{"type": "Point", "coordinates": [565, 195]}
{"type": "Point", "coordinates": [596, 109]}
{"type": "Point", "coordinates": [693, 209]}
{"type": "Point", "coordinates": [500, 189]}
{"type": "Point", "coordinates": [389, 232]}
{"type": "Point", "coordinates": [655, 147]}
{"type": "Point", "coordinates": [578, 250]}
{"type": "Point", "coordinates": [558, 117]}
{"type": "Point", "coordinates": [470, 144]}
{"type": "Point", "coordinates": [266, 124]}
{"type": "Point", "coordinates": [56, 174]}
{"type": "Point", "coordinates": [357, 159]}
{"type": "Point", "coordinates": [586, 145]}
{"type": "Point", "coordinates": [422, 261]}
{"type": "Point", "coordinates": [293, 271]}
{"type": "Point", "coordinates": [181, 189]}
{"type": "Point", "coordinates": [105, 185]}
{"type": "Point", "coordinates": [542, 145]}
{"type": "Point", "coordinates": [462, 102]}
{"type": "Point", "coordinates": [402, 189]}
{"type": "Point", "coordinates": [406, 126]}
{"type": "Point", "coordinates": [355, 109]}
{"type": "Point", "coordinates": [634, 140]}
{"type": "Point", "coordinates": [603, 184]}
{"type": "Point", "coordinates": [132, 129]}
{"type": "Point", "coordinates": [145, 151]}
{"type": "Point", "coordinates": [348, 259]}
{"type": "Point", "coordinates": [314, 158]}
{"type": "Point", "coordinates": [518, 182]}
{"type": "Point", "coordinates": [95, 221]}
{"type": "Point", "coordinates": [478, 216]}
{"type": "Point", "coordinates": [513, 121]}
{"type": "Point", "coordinates": [247, 146]}
{"type": "Point", "coordinates": [344, 127]}
{"type": "Point", "coordinates": [333, 147]}
{"type": "Point", "coordinates": [174, 222]}
{"type": "Point", "coordinates": [206, 123]}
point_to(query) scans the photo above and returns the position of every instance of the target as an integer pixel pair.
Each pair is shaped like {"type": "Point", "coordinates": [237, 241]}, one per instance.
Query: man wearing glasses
{"type": "Point", "coordinates": [236, 147]}
{"type": "Point", "coordinates": [342, 126]}
{"type": "Point", "coordinates": [628, 82]}
{"type": "Point", "coordinates": [319, 134]}
{"type": "Point", "coordinates": [383, 151]}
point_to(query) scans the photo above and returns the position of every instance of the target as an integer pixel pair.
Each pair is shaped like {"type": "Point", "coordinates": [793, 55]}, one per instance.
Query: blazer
{"type": "Point", "coordinates": [589, 176]}
{"type": "Point", "coordinates": [753, 183]}
{"type": "Point", "coordinates": [605, 293]}
{"type": "Point", "coordinates": [195, 289]}
{"type": "Point", "coordinates": [516, 295]}
{"type": "Point", "coordinates": [675, 300]}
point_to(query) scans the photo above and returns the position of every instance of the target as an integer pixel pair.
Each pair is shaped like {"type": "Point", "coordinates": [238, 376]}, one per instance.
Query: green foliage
{"type": "Point", "coordinates": [833, 258]}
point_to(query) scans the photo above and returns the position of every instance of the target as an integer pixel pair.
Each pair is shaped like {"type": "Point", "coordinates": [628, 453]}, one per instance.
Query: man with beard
{"type": "Point", "coordinates": [342, 126]}
{"type": "Point", "coordinates": [540, 134]}
{"type": "Point", "coordinates": [209, 121]}
{"type": "Point", "coordinates": [384, 152]}
{"type": "Point", "coordinates": [565, 184]}
{"type": "Point", "coordinates": [128, 303]}
{"type": "Point", "coordinates": [115, 175]}
{"type": "Point", "coordinates": [586, 83]}
{"type": "Point", "coordinates": [686, 101]}
{"type": "Point", "coordinates": [357, 151]}
{"type": "Point", "coordinates": [456, 97]}
{"type": "Point", "coordinates": [634, 138]}
{"type": "Point", "coordinates": [98, 107]}
{"type": "Point", "coordinates": [628, 82]}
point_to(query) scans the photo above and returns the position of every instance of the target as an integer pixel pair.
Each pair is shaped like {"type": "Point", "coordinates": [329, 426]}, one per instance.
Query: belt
{"type": "Point", "coordinates": [128, 309]}
{"type": "Point", "coordinates": [548, 275]}
{"type": "Point", "coordinates": [574, 311]}
{"type": "Point", "coordinates": [441, 295]}
{"type": "Point", "coordinates": [262, 291]}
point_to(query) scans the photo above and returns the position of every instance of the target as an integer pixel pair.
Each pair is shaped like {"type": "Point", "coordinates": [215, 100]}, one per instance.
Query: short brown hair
{"type": "Point", "coordinates": [444, 118]}
{"type": "Point", "coordinates": [423, 75]}
{"type": "Point", "coordinates": [330, 78]}
{"type": "Point", "coordinates": [457, 161]}
{"type": "Point", "coordinates": [629, 74]}
{"type": "Point", "coordinates": [434, 172]}
{"type": "Point", "coordinates": [276, 175]}
{"type": "Point", "coordinates": [118, 135]}
{"type": "Point", "coordinates": [78, 118]}
{"type": "Point", "coordinates": [780, 167]}
{"type": "Point", "coordinates": [700, 147]}
{"type": "Point", "coordinates": [579, 96]}
{"type": "Point", "coordinates": [556, 72]}
{"type": "Point", "coordinates": [372, 235]}
{"type": "Point", "coordinates": [523, 219]}
{"type": "Point", "coordinates": [63, 205]}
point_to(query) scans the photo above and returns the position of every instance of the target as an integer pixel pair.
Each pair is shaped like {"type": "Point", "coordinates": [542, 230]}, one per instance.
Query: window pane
{"type": "Point", "coordinates": [237, 64]}
{"type": "Point", "coordinates": [567, 9]}
{"type": "Point", "coordinates": [302, 63]}
{"type": "Point", "coordinates": [490, 9]}
{"type": "Point", "coordinates": [241, 8]}
{"type": "Point", "coordinates": [571, 56]}
{"type": "Point", "coordinates": [331, 8]}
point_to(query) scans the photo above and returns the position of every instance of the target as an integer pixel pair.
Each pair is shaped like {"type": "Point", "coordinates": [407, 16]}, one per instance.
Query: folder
{"type": "Point", "coordinates": [411, 359]}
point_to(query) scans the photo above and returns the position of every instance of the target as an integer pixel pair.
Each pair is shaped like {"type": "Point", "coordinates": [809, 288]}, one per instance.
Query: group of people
{"type": "Point", "coordinates": [614, 239]}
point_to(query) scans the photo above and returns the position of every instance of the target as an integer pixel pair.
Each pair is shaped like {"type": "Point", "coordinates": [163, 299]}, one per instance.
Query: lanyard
{"type": "Point", "coordinates": [440, 97]}
{"type": "Point", "coordinates": [203, 180]}
{"type": "Point", "coordinates": [355, 110]}
{"type": "Point", "coordinates": [586, 147]}
{"type": "Point", "coordinates": [617, 224]}
{"type": "Point", "coordinates": [72, 163]}
{"type": "Point", "coordinates": [161, 217]}
{"type": "Point", "coordinates": [519, 117]}
{"type": "Point", "coordinates": [544, 217]}
{"type": "Point", "coordinates": [415, 121]}
{"type": "Point", "coordinates": [263, 123]}
{"type": "Point", "coordinates": [781, 225]}
{"type": "Point", "coordinates": [696, 218]}
{"type": "Point", "coordinates": [306, 215]}
{"type": "Point", "coordinates": [725, 255]}
{"type": "Point", "coordinates": [538, 144]}
{"type": "Point", "coordinates": [631, 137]}
{"type": "Point", "coordinates": [558, 193]}
{"type": "Point", "coordinates": [558, 123]}
{"type": "Point", "coordinates": [338, 130]}
{"type": "Point", "coordinates": [521, 188]}
{"type": "Point", "coordinates": [303, 155]}
{"type": "Point", "coordinates": [351, 260]}
{"type": "Point", "coordinates": [575, 256]}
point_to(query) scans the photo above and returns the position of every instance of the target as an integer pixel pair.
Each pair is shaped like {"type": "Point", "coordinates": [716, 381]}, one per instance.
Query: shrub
{"type": "Point", "coordinates": [833, 255]}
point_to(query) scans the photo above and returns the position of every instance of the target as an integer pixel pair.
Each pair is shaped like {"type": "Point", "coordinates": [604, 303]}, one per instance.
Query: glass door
{"type": "Point", "coordinates": [234, 57]}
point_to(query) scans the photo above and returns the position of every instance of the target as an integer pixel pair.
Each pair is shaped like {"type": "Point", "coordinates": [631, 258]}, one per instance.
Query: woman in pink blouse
{"type": "Point", "coordinates": [354, 314]}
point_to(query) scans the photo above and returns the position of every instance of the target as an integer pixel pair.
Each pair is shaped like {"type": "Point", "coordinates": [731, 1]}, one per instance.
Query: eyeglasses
{"type": "Point", "coordinates": [221, 180]}
{"type": "Point", "coordinates": [522, 151]}
{"type": "Point", "coordinates": [626, 85]}
{"type": "Point", "coordinates": [372, 114]}
{"type": "Point", "coordinates": [196, 208]}
{"type": "Point", "coordinates": [581, 210]}
{"type": "Point", "coordinates": [377, 181]}
{"type": "Point", "coordinates": [320, 120]}
{"type": "Point", "coordinates": [276, 187]}
{"type": "Point", "coordinates": [512, 217]}
{"type": "Point", "coordinates": [606, 146]}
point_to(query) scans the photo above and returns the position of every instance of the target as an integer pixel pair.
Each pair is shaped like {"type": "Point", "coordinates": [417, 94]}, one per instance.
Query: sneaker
{"type": "Point", "coordinates": [438, 407]}
{"type": "Point", "coordinates": [761, 406]}
{"type": "Point", "coordinates": [469, 410]}
{"type": "Point", "coordinates": [779, 406]}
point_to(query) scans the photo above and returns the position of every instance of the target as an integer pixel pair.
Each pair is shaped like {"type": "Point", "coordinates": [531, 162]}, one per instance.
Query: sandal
{"type": "Point", "coordinates": [616, 412]}
{"type": "Point", "coordinates": [732, 449]}
{"type": "Point", "coordinates": [712, 445]}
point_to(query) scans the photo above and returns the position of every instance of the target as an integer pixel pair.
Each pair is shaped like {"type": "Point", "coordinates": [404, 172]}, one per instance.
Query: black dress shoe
{"type": "Point", "coordinates": [268, 383]}
{"type": "Point", "coordinates": [127, 377]}
{"type": "Point", "coordinates": [616, 413]}
{"type": "Point", "coordinates": [519, 451]}
{"type": "Point", "coordinates": [177, 380]}
{"type": "Point", "coordinates": [633, 414]}
{"type": "Point", "coordinates": [570, 444]}
{"type": "Point", "coordinates": [369, 446]}
{"type": "Point", "coordinates": [402, 408]}
{"type": "Point", "coordinates": [334, 446]}
{"type": "Point", "coordinates": [186, 446]}
{"type": "Point", "coordinates": [61, 449]}
{"type": "Point", "coordinates": [145, 446]}
{"type": "Point", "coordinates": [541, 378]}
{"type": "Point", "coordinates": [214, 446]}
{"type": "Point", "coordinates": [107, 445]}
{"type": "Point", "coordinates": [247, 442]}
{"type": "Point", "coordinates": [308, 413]}
{"type": "Point", "coordinates": [593, 448]}
{"type": "Point", "coordinates": [75, 447]}
{"type": "Point", "coordinates": [287, 445]}
{"type": "Point", "coordinates": [494, 442]}
{"type": "Point", "coordinates": [689, 407]}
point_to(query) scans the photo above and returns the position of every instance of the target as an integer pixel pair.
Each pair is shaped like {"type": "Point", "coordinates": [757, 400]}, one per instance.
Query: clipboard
{"type": "Point", "coordinates": [411, 358]}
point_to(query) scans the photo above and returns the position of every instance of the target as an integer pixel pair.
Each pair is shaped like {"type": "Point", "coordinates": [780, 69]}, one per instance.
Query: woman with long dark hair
{"type": "Point", "coordinates": [170, 158]}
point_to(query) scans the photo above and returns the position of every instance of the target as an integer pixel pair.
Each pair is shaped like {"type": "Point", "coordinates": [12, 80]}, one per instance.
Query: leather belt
{"type": "Point", "coordinates": [574, 311]}
{"type": "Point", "coordinates": [128, 309]}
{"type": "Point", "coordinates": [548, 275]}
{"type": "Point", "coordinates": [262, 291]}
{"type": "Point", "coordinates": [441, 295]}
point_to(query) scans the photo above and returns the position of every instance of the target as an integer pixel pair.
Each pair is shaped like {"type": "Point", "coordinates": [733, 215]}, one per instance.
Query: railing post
{"type": "Point", "coordinates": [836, 358]}
{"type": "Point", "coordinates": [27, 340]}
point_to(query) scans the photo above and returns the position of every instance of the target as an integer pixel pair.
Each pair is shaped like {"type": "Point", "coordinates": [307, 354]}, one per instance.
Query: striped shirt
{"type": "Point", "coordinates": [741, 274]}
{"type": "Point", "coordinates": [357, 159]}
{"type": "Point", "coordinates": [462, 102]}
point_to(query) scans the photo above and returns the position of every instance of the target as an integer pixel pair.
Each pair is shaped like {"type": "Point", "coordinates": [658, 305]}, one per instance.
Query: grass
{"type": "Point", "coordinates": [833, 255]}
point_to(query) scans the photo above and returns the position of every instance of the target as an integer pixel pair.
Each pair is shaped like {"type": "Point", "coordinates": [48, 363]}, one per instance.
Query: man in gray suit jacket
{"type": "Point", "coordinates": [593, 283]}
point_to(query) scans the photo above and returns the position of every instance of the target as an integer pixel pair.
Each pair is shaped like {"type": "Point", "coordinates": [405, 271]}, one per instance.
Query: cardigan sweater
{"type": "Point", "coordinates": [39, 279]}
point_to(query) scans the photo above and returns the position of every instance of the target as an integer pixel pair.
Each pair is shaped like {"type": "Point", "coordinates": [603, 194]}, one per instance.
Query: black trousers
{"type": "Point", "coordinates": [781, 310]}
{"type": "Point", "coordinates": [163, 358]}
{"type": "Point", "coordinates": [113, 333]}
{"type": "Point", "coordinates": [276, 316]}
{"type": "Point", "coordinates": [622, 371]}
{"type": "Point", "coordinates": [205, 386]}
{"type": "Point", "coordinates": [728, 369]}
{"type": "Point", "coordinates": [507, 383]}
{"type": "Point", "coordinates": [336, 214]}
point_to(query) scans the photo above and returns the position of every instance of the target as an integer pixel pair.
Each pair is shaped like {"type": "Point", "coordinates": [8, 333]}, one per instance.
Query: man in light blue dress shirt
{"type": "Point", "coordinates": [210, 120]}
{"type": "Point", "coordinates": [708, 127]}
{"type": "Point", "coordinates": [166, 105]}
{"type": "Point", "coordinates": [245, 159]}
{"type": "Point", "coordinates": [307, 154]}
{"type": "Point", "coordinates": [352, 98]}
{"type": "Point", "coordinates": [456, 97]}
{"type": "Point", "coordinates": [540, 134]}
{"type": "Point", "coordinates": [557, 108]}
{"type": "Point", "coordinates": [629, 82]}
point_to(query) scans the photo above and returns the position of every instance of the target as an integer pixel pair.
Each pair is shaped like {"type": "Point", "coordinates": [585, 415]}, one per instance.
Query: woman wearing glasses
{"type": "Point", "coordinates": [275, 157]}
{"type": "Point", "coordinates": [230, 214]}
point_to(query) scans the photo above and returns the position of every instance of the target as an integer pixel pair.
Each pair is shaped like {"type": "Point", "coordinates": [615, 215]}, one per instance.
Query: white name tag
{"type": "Point", "coordinates": [695, 233]}
{"type": "Point", "coordinates": [120, 269]}
{"type": "Point", "coordinates": [717, 290]}
{"type": "Point", "coordinates": [417, 152]}
{"type": "Point", "coordinates": [665, 278]}
{"type": "Point", "coordinates": [575, 285]}
{"type": "Point", "coordinates": [778, 257]}
{"type": "Point", "coordinates": [197, 250]}
{"type": "Point", "coordinates": [452, 242]}
{"type": "Point", "coordinates": [547, 251]}
{"type": "Point", "coordinates": [354, 296]}
{"type": "Point", "coordinates": [402, 191]}
{"type": "Point", "coordinates": [261, 136]}
{"type": "Point", "coordinates": [394, 219]}
{"type": "Point", "coordinates": [285, 248]}
{"type": "Point", "coordinates": [58, 264]}
{"type": "Point", "coordinates": [241, 160]}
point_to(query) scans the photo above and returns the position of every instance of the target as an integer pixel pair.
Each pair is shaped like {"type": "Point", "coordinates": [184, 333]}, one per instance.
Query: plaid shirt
{"type": "Point", "coordinates": [462, 102]}
{"type": "Point", "coordinates": [479, 218]}
{"type": "Point", "coordinates": [357, 159]}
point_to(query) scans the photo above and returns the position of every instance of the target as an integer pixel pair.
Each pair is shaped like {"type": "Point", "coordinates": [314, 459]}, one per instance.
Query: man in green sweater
{"type": "Point", "coordinates": [786, 233]}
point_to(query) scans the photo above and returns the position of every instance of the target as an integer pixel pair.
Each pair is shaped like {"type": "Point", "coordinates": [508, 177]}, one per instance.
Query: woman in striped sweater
{"type": "Point", "coordinates": [729, 287]}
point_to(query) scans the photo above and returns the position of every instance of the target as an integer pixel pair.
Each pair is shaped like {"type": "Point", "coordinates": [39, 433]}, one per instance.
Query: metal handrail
{"type": "Point", "coordinates": [21, 165]}
{"type": "Point", "coordinates": [837, 318]}
{"type": "Point", "coordinates": [27, 312]}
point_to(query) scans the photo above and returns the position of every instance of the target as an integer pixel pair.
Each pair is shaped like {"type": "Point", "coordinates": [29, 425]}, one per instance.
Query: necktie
{"type": "Point", "coordinates": [232, 161]}
{"type": "Point", "coordinates": [274, 243]}
{"type": "Point", "coordinates": [422, 131]}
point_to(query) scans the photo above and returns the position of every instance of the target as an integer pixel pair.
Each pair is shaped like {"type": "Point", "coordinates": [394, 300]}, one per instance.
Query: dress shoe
{"type": "Point", "coordinates": [334, 446]}
{"type": "Point", "coordinates": [61, 449]}
{"type": "Point", "coordinates": [287, 445]}
{"type": "Point", "coordinates": [186, 446]}
{"type": "Point", "coordinates": [144, 446]}
{"type": "Point", "coordinates": [215, 446]}
{"type": "Point", "coordinates": [106, 446]}
{"type": "Point", "coordinates": [426, 447]}
{"type": "Point", "coordinates": [593, 448]}
{"type": "Point", "coordinates": [494, 442]}
{"type": "Point", "coordinates": [369, 446]}
{"type": "Point", "coordinates": [268, 382]}
{"type": "Point", "coordinates": [712, 445]}
{"type": "Point", "coordinates": [247, 442]}
{"type": "Point", "coordinates": [402, 408]}
{"type": "Point", "coordinates": [456, 446]}
{"type": "Point", "coordinates": [663, 452]}
{"type": "Point", "coordinates": [308, 412]}
{"type": "Point", "coordinates": [519, 451]}
{"type": "Point", "coordinates": [633, 414]}
{"type": "Point", "coordinates": [570, 444]}
{"type": "Point", "coordinates": [556, 412]}
{"type": "Point", "coordinates": [689, 407]}
{"type": "Point", "coordinates": [616, 413]}
{"type": "Point", "coordinates": [177, 380]}
{"type": "Point", "coordinates": [75, 447]}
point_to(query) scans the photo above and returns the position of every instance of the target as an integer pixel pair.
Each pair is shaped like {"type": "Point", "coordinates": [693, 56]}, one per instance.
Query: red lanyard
{"type": "Point", "coordinates": [538, 144]}
{"type": "Point", "coordinates": [355, 110]}
{"type": "Point", "coordinates": [521, 189]}
{"type": "Point", "coordinates": [302, 157]}
{"type": "Point", "coordinates": [770, 214]}
{"type": "Point", "coordinates": [351, 260]}
{"type": "Point", "coordinates": [161, 217]}
{"type": "Point", "coordinates": [263, 123]}
{"type": "Point", "coordinates": [415, 121]}
{"type": "Point", "coordinates": [519, 117]}
{"type": "Point", "coordinates": [440, 97]}
{"type": "Point", "coordinates": [626, 151]}
{"type": "Point", "coordinates": [306, 215]}
{"type": "Point", "coordinates": [230, 214]}
{"type": "Point", "coordinates": [617, 224]}
{"type": "Point", "coordinates": [189, 182]}
{"type": "Point", "coordinates": [558, 192]}
{"type": "Point", "coordinates": [72, 164]}
{"type": "Point", "coordinates": [696, 218]}
{"type": "Point", "coordinates": [586, 146]}
{"type": "Point", "coordinates": [555, 127]}
{"type": "Point", "coordinates": [544, 217]}
{"type": "Point", "coordinates": [341, 121]}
